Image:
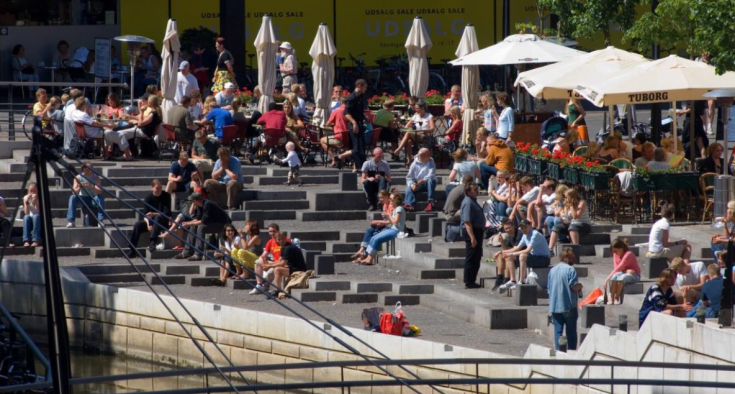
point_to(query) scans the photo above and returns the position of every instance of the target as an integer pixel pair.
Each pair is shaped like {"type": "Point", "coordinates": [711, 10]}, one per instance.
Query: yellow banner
{"type": "Point", "coordinates": [379, 27]}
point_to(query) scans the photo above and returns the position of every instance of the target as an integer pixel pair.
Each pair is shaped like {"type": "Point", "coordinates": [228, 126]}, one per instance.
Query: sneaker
{"type": "Point", "coordinates": [152, 246]}
{"type": "Point", "coordinates": [429, 207]}
{"type": "Point", "coordinates": [408, 207]}
{"type": "Point", "coordinates": [507, 286]}
{"type": "Point", "coordinates": [160, 246]}
{"type": "Point", "coordinates": [182, 256]}
{"type": "Point", "coordinates": [472, 286]}
{"type": "Point", "coordinates": [552, 254]}
{"type": "Point", "coordinates": [257, 289]}
{"type": "Point", "coordinates": [178, 248]}
{"type": "Point", "coordinates": [100, 225]}
{"type": "Point", "coordinates": [71, 225]}
{"type": "Point", "coordinates": [196, 257]}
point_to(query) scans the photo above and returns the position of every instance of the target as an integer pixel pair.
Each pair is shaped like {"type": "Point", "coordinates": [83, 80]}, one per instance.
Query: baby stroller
{"type": "Point", "coordinates": [551, 129]}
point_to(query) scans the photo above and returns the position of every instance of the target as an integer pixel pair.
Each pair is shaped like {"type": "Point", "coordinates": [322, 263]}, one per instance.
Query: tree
{"type": "Point", "coordinates": [563, 9]}
{"type": "Point", "coordinates": [585, 18]}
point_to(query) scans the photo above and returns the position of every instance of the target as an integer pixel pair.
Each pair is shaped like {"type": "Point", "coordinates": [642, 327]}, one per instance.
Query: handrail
{"type": "Point", "coordinates": [36, 351]}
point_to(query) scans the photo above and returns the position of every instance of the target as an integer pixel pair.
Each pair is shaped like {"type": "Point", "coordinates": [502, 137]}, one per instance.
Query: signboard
{"type": "Point", "coordinates": [102, 58]}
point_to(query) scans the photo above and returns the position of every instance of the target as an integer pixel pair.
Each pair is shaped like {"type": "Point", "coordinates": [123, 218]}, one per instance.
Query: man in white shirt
{"type": "Point", "coordinates": [186, 83]}
{"type": "Point", "coordinates": [530, 193]}
{"type": "Point", "coordinates": [95, 129]}
{"type": "Point", "coordinates": [690, 278]}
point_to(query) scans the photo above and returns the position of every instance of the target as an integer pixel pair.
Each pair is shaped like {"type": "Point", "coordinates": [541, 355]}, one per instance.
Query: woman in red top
{"type": "Point", "coordinates": [455, 129]}
{"type": "Point", "coordinates": [339, 122]}
{"type": "Point", "coordinates": [114, 108]}
{"type": "Point", "coordinates": [625, 268]}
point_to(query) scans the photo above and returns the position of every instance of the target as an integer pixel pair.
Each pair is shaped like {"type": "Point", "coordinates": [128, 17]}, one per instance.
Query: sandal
{"type": "Point", "coordinates": [35, 244]}
{"type": "Point", "coordinates": [367, 262]}
{"type": "Point", "coordinates": [26, 244]}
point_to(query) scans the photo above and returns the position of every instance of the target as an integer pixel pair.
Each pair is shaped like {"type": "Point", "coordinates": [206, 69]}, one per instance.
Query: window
{"type": "Point", "coordinates": [57, 12]}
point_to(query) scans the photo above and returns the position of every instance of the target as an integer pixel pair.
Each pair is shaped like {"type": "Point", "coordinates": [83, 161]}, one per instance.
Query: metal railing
{"type": "Point", "coordinates": [11, 84]}
{"type": "Point", "coordinates": [37, 353]}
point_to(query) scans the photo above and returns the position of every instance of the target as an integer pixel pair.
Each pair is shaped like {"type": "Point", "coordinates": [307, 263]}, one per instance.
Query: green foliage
{"type": "Point", "coordinates": [564, 9]}
{"type": "Point", "coordinates": [202, 36]}
{"type": "Point", "coordinates": [585, 18]}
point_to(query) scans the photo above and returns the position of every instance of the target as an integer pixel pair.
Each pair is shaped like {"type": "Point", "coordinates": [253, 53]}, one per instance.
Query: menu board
{"type": "Point", "coordinates": [102, 57]}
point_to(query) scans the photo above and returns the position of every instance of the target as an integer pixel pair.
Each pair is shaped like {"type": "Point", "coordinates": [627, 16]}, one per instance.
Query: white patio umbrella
{"type": "Point", "coordinates": [322, 69]}
{"type": "Point", "coordinates": [558, 80]}
{"type": "Point", "coordinates": [470, 83]}
{"type": "Point", "coordinates": [418, 45]}
{"type": "Point", "coordinates": [670, 79]}
{"type": "Point", "coordinates": [518, 49]}
{"type": "Point", "coordinates": [170, 67]}
{"type": "Point", "coordinates": [266, 47]}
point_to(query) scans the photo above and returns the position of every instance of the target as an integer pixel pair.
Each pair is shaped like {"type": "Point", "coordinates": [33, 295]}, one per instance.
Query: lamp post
{"type": "Point", "coordinates": [135, 44]}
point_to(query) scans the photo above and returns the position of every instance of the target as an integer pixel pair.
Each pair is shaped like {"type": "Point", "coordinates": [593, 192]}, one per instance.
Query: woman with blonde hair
{"type": "Point", "coordinates": [610, 149]}
{"type": "Point", "coordinates": [488, 113]}
{"type": "Point", "coordinates": [551, 220]}
{"type": "Point", "coordinates": [661, 298]}
{"type": "Point", "coordinates": [145, 124]}
{"type": "Point", "coordinates": [566, 144]}
{"type": "Point", "coordinates": [575, 219]}
{"type": "Point", "coordinates": [461, 167]}
{"type": "Point", "coordinates": [714, 161]}
{"type": "Point", "coordinates": [455, 129]}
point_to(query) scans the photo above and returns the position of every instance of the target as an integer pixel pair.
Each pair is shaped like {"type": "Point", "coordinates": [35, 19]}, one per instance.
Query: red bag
{"type": "Point", "coordinates": [393, 323]}
{"type": "Point", "coordinates": [591, 298]}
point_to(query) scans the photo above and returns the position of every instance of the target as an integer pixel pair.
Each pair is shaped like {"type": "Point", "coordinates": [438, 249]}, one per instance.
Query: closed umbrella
{"type": "Point", "coordinates": [322, 69]}
{"type": "Point", "coordinates": [470, 83]}
{"type": "Point", "coordinates": [266, 47]}
{"type": "Point", "coordinates": [170, 67]}
{"type": "Point", "coordinates": [418, 45]}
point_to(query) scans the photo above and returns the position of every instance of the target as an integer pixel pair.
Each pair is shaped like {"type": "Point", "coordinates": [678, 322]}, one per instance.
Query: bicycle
{"type": "Point", "coordinates": [436, 81]}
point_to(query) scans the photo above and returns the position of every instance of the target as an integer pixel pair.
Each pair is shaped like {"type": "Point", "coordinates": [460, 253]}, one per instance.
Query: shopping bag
{"type": "Point", "coordinates": [591, 298]}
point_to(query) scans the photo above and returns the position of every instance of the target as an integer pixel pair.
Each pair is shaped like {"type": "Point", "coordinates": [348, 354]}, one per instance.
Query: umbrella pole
{"type": "Point", "coordinates": [610, 118]}
{"type": "Point", "coordinates": [692, 142]}
{"type": "Point", "coordinates": [724, 113]}
{"type": "Point", "coordinates": [675, 127]}
{"type": "Point", "coordinates": [629, 116]}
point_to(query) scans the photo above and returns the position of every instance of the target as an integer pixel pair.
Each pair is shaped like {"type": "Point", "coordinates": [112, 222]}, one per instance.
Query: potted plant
{"type": "Point", "coordinates": [536, 163]}
{"type": "Point", "coordinates": [554, 165]}
{"type": "Point", "coordinates": [570, 172]}
{"type": "Point", "coordinates": [593, 176]}
{"type": "Point", "coordinates": [435, 102]}
{"type": "Point", "coordinates": [245, 95]}
{"type": "Point", "coordinates": [645, 179]}
{"type": "Point", "coordinates": [520, 159]}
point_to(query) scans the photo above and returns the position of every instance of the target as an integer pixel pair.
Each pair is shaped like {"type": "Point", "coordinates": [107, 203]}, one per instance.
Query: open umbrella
{"type": "Point", "coordinates": [470, 83]}
{"type": "Point", "coordinates": [518, 49]}
{"type": "Point", "coordinates": [266, 46]}
{"type": "Point", "coordinates": [417, 45]}
{"type": "Point", "coordinates": [558, 80]}
{"type": "Point", "coordinates": [322, 69]}
{"type": "Point", "coordinates": [170, 67]}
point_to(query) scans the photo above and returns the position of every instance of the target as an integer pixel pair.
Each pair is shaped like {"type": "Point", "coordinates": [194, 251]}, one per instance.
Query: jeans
{"type": "Point", "coordinates": [473, 255]}
{"type": "Point", "coordinates": [358, 145]}
{"type": "Point", "coordinates": [142, 227]}
{"type": "Point", "coordinates": [717, 248]}
{"type": "Point", "coordinates": [428, 186]}
{"type": "Point", "coordinates": [5, 230]}
{"type": "Point", "coordinates": [76, 200]}
{"type": "Point", "coordinates": [501, 209]}
{"type": "Point", "coordinates": [709, 313]}
{"type": "Point", "coordinates": [32, 222]}
{"type": "Point", "coordinates": [372, 188]}
{"type": "Point", "coordinates": [201, 231]}
{"type": "Point", "coordinates": [369, 233]}
{"type": "Point", "coordinates": [449, 188]}
{"type": "Point", "coordinates": [487, 170]}
{"type": "Point", "coordinates": [550, 222]}
{"type": "Point", "coordinates": [379, 239]}
{"type": "Point", "coordinates": [568, 319]}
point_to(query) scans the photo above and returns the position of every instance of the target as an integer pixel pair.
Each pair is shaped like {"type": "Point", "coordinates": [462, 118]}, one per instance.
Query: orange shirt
{"type": "Point", "coordinates": [274, 248]}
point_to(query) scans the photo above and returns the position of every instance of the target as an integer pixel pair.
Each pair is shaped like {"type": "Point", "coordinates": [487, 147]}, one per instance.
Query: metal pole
{"type": "Point", "coordinates": [655, 108]}
{"type": "Point", "coordinates": [692, 143]}
{"type": "Point", "coordinates": [724, 109]}
{"type": "Point", "coordinates": [56, 315]}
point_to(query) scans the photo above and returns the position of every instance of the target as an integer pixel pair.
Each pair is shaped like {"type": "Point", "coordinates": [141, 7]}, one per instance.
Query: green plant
{"type": "Point", "coordinates": [197, 36]}
{"type": "Point", "coordinates": [645, 172]}
{"type": "Point", "coordinates": [434, 97]}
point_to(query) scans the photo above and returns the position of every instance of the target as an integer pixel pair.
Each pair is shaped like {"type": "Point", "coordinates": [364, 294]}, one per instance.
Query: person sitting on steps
{"type": "Point", "coordinates": [625, 270]}
{"type": "Point", "coordinates": [421, 177]}
{"type": "Point", "coordinates": [532, 252]}
{"type": "Point", "coordinates": [157, 208]}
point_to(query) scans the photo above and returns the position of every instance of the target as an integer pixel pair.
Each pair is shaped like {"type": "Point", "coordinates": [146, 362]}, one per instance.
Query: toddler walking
{"type": "Point", "coordinates": [293, 164]}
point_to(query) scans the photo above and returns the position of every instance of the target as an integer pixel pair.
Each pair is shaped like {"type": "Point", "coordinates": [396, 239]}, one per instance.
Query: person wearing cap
{"type": "Point", "coordinates": [532, 252]}
{"type": "Point", "coordinates": [157, 210]}
{"type": "Point", "coordinates": [226, 177]}
{"type": "Point", "coordinates": [224, 72]}
{"type": "Point", "coordinates": [473, 221]}
{"type": "Point", "coordinates": [186, 83]}
{"type": "Point", "coordinates": [289, 66]}
{"type": "Point", "coordinates": [208, 218]}
{"type": "Point", "coordinates": [225, 97]}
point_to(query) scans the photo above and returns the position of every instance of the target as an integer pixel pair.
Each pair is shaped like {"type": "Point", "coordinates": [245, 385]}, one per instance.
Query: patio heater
{"type": "Point", "coordinates": [135, 43]}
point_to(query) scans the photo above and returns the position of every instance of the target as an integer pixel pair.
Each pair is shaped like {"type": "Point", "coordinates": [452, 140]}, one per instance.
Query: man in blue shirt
{"type": "Point", "coordinates": [226, 176]}
{"type": "Point", "coordinates": [563, 290]}
{"type": "Point", "coordinates": [711, 294]}
{"type": "Point", "coordinates": [532, 251]}
{"type": "Point", "coordinates": [221, 118]}
{"type": "Point", "coordinates": [179, 176]}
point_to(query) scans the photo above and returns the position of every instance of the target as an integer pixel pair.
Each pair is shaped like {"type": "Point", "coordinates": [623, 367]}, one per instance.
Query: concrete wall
{"type": "Point", "coordinates": [40, 43]}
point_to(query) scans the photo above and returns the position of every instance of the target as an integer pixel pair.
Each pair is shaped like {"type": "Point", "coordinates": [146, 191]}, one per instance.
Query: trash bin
{"type": "Point", "coordinates": [724, 192]}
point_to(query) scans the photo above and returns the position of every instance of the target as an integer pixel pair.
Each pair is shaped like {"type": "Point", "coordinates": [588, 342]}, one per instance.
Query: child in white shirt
{"type": "Point", "coordinates": [293, 164]}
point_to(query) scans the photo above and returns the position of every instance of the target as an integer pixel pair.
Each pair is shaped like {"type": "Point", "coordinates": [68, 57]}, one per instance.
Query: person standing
{"type": "Point", "coordinates": [226, 176]}
{"type": "Point", "coordinates": [506, 120]}
{"type": "Point", "coordinates": [375, 177]}
{"type": "Point", "coordinates": [186, 83]}
{"type": "Point", "coordinates": [157, 209]}
{"type": "Point", "coordinates": [563, 293]}
{"type": "Point", "coordinates": [224, 72]}
{"type": "Point", "coordinates": [474, 225]}
{"type": "Point", "coordinates": [355, 114]}
{"type": "Point", "coordinates": [289, 66]}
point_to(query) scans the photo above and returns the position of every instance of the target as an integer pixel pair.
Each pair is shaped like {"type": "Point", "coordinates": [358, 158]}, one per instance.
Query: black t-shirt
{"type": "Point", "coordinates": [150, 128]}
{"type": "Point", "coordinates": [294, 257]}
{"type": "Point", "coordinates": [212, 213]}
{"type": "Point", "coordinates": [355, 106]}
{"type": "Point", "coordinates": [223, 57]}
{"type": "Point", "coordinates": [185, 172]}
{"type": "Point", "coordinates": [161, 203]}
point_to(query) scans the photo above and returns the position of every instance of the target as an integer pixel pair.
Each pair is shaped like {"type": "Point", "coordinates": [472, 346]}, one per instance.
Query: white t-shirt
{"type": "Point", "coordinates": [235, 242]}
{"type": "Point", "coordinates": [548, 201]}
{"type": "Point", "coordinates": [697, 271]}
{"type": "Point", "coordinates": [69, 110]}
{"type": "Point", "coordinates": [422, 123]}
{"type": "Point", "coordinates": [89, 130]}
{"type": "Point", "coordinates": [185, 84]}
{"type": "Point", "coordinates": [532, 194]}
{"type": "Point", "coordinates": [656, 238]}
{"type": "Point", "coordinates": [196, 111]}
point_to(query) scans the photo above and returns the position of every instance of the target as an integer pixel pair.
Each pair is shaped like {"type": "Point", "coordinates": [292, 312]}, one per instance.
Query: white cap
{"type": "Point", "coordinates": [286, 45]}
{"type": "Point", "coordinates": [183, 65]}
{"type": "Point", "coordinates": [229, 85]}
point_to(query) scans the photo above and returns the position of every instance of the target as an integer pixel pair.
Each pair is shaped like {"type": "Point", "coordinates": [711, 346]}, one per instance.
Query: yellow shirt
{"type": "Point", "coordinates": [37, 109]}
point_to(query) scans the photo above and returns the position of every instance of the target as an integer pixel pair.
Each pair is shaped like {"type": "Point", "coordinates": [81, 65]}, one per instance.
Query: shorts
{"type": "Point", "coordinates": [669, 253]}
{"type": "Point", "coordinates": [204, 165]}
{"type": "Point", "coordinates": [333, 142]}
{"type": "Point", "coordinates": [538, 261]}
{"type": "Point", "coordinates": [626, 277]}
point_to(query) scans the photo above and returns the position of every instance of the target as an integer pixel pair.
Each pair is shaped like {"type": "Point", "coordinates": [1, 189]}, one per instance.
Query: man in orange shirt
{"type": "Point", "coordinates": [499, 157]}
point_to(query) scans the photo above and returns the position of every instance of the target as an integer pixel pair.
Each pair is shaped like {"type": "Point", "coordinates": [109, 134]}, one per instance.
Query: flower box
{"type": "Point", "coordinates": [595, 180]}
{"type": "Point", "coordinates": [641, 184]}
{"type": "Point", "coordinates": [520, 163]}
{"type": "Point", "coordinates": [686, 181]}
{"type": "Point", "coordinates": [554, 170]}
{"type": "Point", "coordinates": [571, 175]}
{"type": "Point", "coordinates": [436, 109]}
{"type": "Point", "coordinates": [535, 166]}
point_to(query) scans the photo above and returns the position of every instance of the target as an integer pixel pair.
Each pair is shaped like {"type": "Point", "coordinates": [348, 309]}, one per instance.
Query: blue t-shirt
{"type": "Point", "coordinates": [185, 172]}
{"type": "Point", "coordinates": [712, 292]}
{"type": "Point", "coordinates": [561, 296]}
{"type": "Point", "coordinates": [537, 242]}
{"type": "Point", "coordinates": [222, 118]}
{"type": "Point", "coordinates": [234, 166]}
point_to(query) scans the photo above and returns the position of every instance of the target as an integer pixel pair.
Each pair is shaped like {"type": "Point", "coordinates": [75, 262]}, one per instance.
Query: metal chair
{"type": "Point", "coordinates": [707, 188]}
{"type": "Point", "coordinates": [581, 151]}
{"type": "Point", "coordinates": [81, 133]}
{"type": "Point", "coordinates": [622, 164]}
{"type": "Point", "coordinates": [272, 143]}
{"type": "Point", "coordinates": [309, 137]}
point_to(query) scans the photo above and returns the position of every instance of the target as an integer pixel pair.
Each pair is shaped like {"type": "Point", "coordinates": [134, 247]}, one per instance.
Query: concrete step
{"type": "Point", "coordinates": [388, 299]}
{"type": "Point", "coordinates": [307, 180]}
{"type": "Point", "coordinates": [633, 288]}
{"type": "Point", "coordinates": [11, 178]}
{"type": "Point", "coordinates": [356, 298]}
{"type": "Point", "coordinates": [321, 216]}
{"type": "Point", "coordinates": [329, 285]}
{"type": "Point", "coordinates": [60, 213]}
{"type": "Point", "coordinates": [264, 216]}
{"type": "Point", "coordinates": [283, 172]}
{"type": "Point", "coordinates": [167, 279]}
{"type": "Point", "coordinates": [447, 249]}
{"type": "Point", "coordinates": [121, 278]}
{"type": "Point", "coordinates": [344, 247]}
{"type": "Point", "coordinates": [308, 295]}
{"type": "Point", "coordinates": [416, 270]}
{"type": "Point", "coordinates": [455, 309]}
{"type": "Point", "coordinates": [409, 288]}
{"type": "Point", "coordinates": [115, 269]}
{"type": "Point", "coordinates": [280, 195]}
{"type": "Point", "coordinates": [371, 287]}
{"type": "Point", "coordinates": [275, 205]}
{"type": "Point", "coordinates": [182, 269]}
{"type": "Point", "coordinates": [351, 237]}
{"type": "Point", "coordinates": [317, 235]}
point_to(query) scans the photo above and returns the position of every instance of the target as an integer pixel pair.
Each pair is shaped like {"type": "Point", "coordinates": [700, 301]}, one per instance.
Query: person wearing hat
{"type": "Point", "coordinates": [157, 210]}
{"type": "Point", "coordinates": [225, 97]}
{"type": "Point", "coordinates": [224, 72]}
{"type": "Point", "coordinates": [186, 83]}
{"type": "Point", "coordinates": [473, 221]}
{"type": "Point", "coordinates": [532, 251]}
{"type": "Point", "coordinates": [289, 66]}
{"type": "Point", "coordinates": [209, 218]}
